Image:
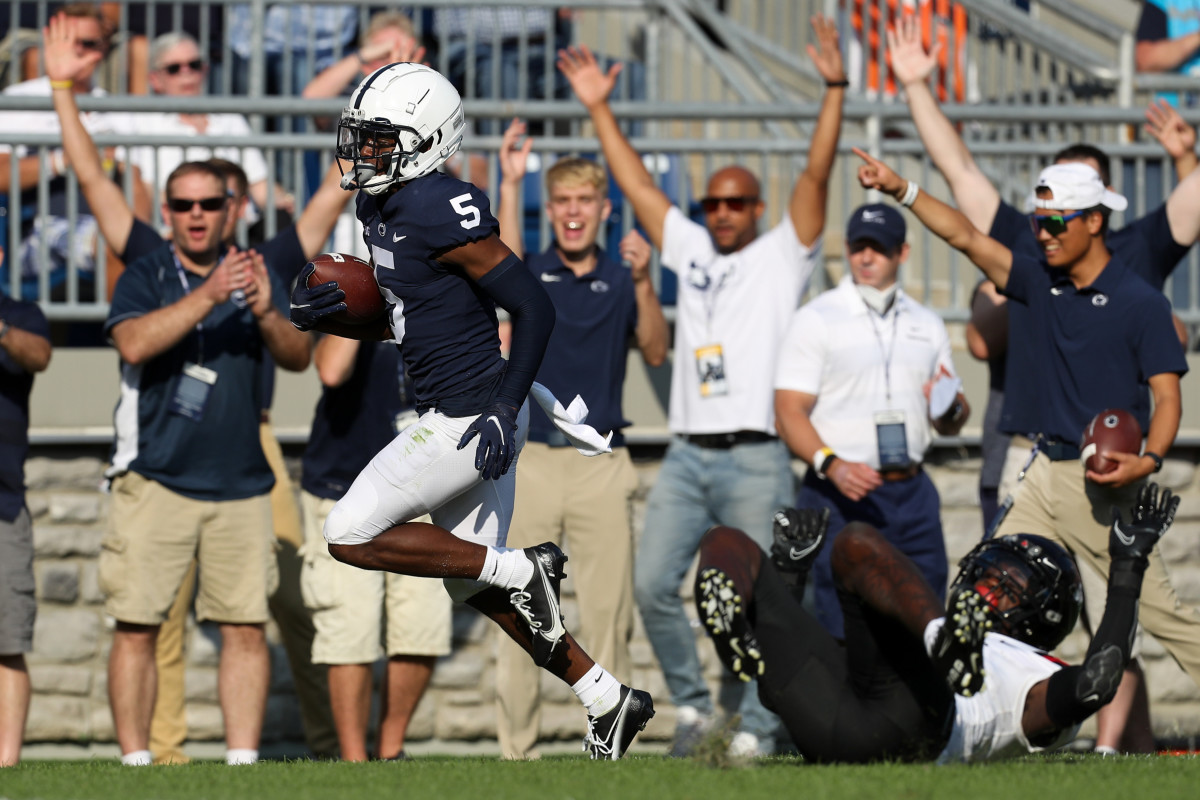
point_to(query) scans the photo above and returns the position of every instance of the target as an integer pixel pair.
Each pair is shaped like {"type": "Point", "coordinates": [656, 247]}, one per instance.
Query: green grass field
{"type": "Point", "coordinates": [1066, 777]}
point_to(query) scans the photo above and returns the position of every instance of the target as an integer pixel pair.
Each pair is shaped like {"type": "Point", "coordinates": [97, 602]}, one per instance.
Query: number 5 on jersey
{"type": "Point", "coordinates": [461, 205]}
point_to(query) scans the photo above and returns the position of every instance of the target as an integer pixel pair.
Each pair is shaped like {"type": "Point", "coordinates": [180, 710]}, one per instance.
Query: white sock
{"type": "Point", "coordinates": [598, 690]}
{"type": "Point", "coordinates": [931, 632]}
{"type": "Point", "coordinates": [138, 758]}
{"type": "Point", "coordinates": [506, 567]}
{"type": "Point", "coordinates": [241, 755]}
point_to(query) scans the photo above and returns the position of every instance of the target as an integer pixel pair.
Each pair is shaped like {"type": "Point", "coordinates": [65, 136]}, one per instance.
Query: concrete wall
{"type": "Point", "coordinates": [73, 634]}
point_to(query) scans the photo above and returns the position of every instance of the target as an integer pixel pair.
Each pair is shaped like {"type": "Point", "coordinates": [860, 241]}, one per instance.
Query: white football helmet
{"type": "Point", "coordinates": [407, 118]}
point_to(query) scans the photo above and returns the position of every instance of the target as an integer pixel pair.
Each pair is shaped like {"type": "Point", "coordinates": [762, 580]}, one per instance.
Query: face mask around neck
{"type": "Point", "coordinates": [880, 300]}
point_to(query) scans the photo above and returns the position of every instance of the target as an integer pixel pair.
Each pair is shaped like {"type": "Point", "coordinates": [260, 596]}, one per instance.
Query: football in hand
{"type": "Point", "coordinates": [364, 302]}
{"type": "Point", "coordinates": [1113, 430]}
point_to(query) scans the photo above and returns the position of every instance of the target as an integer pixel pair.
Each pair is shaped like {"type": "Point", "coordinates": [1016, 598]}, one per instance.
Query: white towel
{"type": "Point", "coordinates": [571, 422]}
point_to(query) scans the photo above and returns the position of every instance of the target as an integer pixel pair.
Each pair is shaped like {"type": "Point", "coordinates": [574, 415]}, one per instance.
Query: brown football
{"type": "Point", "coordinates": [1113, 430]}
{"type": "Point", "coordinates": [364, 303]}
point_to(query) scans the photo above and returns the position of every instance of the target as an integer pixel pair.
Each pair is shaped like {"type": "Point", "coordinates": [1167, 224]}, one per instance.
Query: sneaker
{"type": "Point", "coordinates": [958, 648]}
{"type": "Point", "coordinates": [799, 536]}
{"type": "Point", "coordinates": [724, 616]}
{"type": "Point", "coordinates": [691, 726]}
{"type": "Point", "coordinates": [537, 600]}
{"type": "Point", "coordinates": [610, 734]}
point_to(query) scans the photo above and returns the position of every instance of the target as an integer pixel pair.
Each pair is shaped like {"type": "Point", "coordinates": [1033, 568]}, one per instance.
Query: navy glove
{"type": "Point", "coordinates": [310, 306]}
{"type": "Point", "coordinates": [497, 430]}
{"type": "Point", "coordinates": [1152, 516]}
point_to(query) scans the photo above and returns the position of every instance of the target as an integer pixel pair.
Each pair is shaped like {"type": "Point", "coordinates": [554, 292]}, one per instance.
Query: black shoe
{"type": "Point", "coordinates": [537, 600]}
{"type": "Point", "coordinates": [724, 616]}
{"type": "Point", "coordinates": [799, 536]}
{"type": "Point", "coordinates": [610, 735]}
{"type": "Point", "coordinates": [958, 648]}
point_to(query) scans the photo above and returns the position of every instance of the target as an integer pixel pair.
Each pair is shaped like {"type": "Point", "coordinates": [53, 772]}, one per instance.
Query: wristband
{"type": "Point", "coordinates": [910, 194]}
{"type": "Point", "coordinates": [842, 84]}
{"type": "Point", "coordinates": [67, 84]}
{"type": "Point", "coordinates": [1154, 457]}
{"type": "Point", "coordinates": [821, 461]}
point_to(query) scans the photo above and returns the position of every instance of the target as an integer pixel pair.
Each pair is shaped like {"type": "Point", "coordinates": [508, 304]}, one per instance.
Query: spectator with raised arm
{"type": "Point", "coordinates": [726, 463]}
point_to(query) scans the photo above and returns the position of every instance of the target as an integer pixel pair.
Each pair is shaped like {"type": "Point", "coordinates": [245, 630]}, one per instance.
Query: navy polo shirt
{"type": "Point", "coordinates": [1145, 247]}
{"type": "Point", "coordinates": [219, 457]}
{"type": "Point", "coordinates": [15, 385]}
{"type": "Point", "coordinates": [355, 420]}
{"type": "Point", "coordinates": [596, 314]}
{"type": "Point", "coordinates": [1097, 346]}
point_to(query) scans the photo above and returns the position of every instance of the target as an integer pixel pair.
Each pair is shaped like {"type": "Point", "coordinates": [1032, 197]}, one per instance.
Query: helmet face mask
{"type": "Point", "coordinates": [404, 121]}
{"type": "Point", "coordinates": [1032, 584]}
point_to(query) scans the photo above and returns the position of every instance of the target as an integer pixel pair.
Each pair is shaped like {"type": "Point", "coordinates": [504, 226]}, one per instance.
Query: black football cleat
{"type": "Point", "coordinates": [724, 616]}
{"type": "Point", "coordinates": [958, 648]}
{"type": "Point", "coordinates": [537, 600]}
{"type": "Point", "coordinates": [798, 535]}
{"type": "Point", "coordinates": [610, 735]}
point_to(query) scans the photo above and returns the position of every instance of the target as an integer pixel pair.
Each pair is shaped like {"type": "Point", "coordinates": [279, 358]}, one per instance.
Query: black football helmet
{"type": "Point", "coordinates": [1040, 575]}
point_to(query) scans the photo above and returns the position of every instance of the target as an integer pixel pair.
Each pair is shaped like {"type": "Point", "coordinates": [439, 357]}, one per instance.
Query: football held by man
{"type": "Point", "coordinates": [442, 269]}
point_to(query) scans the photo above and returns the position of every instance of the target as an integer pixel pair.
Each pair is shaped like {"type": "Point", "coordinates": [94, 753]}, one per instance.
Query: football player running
{"type": "Point", "coordinates": [442, 269]}
{"type": "Point", "coordinates": [915, 681]}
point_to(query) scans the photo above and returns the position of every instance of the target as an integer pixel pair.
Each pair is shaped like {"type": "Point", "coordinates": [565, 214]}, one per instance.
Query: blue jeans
{"type": "Point", "coordinates": [907, 513]}
{"type": "Point", "coordinates": [696, 489]}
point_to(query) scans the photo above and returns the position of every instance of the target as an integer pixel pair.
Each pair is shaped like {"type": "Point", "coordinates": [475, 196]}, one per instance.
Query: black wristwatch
{"type": "Point", "coordinates": [1156, 458]}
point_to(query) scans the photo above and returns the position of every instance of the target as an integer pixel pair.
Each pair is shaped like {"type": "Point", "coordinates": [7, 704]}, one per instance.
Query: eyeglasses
{"type": "Point", "coordinates": [195, 65]}
{"type": "Point", "coordinates": [181, 205]}
{"type": "Point", "coordinates": [92, 44]}
{"type": "Point", "coordinates": [734, 204]}
{"type": "Point", "coordinates": [1053, 224]}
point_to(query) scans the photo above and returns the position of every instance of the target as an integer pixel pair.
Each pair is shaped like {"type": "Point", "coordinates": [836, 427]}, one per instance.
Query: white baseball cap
{"type": "Point", "coordinates": [1075, 186]}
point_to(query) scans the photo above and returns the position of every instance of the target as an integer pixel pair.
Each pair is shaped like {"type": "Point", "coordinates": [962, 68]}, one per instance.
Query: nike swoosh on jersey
{"type": "Point", "coordinates": [548, 278]}
{"type": "Point", "coordinates": [396, 238]}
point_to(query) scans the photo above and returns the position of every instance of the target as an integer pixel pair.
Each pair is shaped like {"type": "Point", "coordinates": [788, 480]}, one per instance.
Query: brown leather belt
{"type": "Point", "coordinates": [901, 474]}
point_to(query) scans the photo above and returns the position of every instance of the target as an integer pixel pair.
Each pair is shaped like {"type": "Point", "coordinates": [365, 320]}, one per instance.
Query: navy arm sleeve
{"type": "Point", "coordinates": [1152, 25]}
{"type": "Point", "coordinates": [514, 289]}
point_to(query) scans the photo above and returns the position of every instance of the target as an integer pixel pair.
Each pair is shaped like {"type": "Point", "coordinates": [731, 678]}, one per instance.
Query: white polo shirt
{"type": "Point", "coordinates": [95, 122]}
{"type": "Point", "coordinates": [858, 364]}
{"type": "Point", "coordinates": [157, 164]}
{"type": "Point", "coordinates": [732, 312]}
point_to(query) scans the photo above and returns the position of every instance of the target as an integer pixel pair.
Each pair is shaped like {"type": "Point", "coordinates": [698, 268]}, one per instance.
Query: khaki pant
{"type": "Point", "coordinates": [168, 728]}
{"type": "Point", "coordinates": [1054, 500]}
{"type": "Point", "coordinates": [584, 504]}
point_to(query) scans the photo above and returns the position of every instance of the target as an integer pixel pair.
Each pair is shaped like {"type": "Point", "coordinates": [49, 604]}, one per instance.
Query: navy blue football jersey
{"type": "Point", "coordinates": [445, 323]}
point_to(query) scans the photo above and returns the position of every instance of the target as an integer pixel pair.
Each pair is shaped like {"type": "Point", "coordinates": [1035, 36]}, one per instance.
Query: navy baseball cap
{"type": "Point", "coordinates": [878, 223]}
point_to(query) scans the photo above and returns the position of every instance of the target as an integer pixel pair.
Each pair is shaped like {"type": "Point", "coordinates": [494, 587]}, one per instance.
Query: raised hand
{"type": "Point", "coordinates": [64, 59]}
{"type": "Point", "coordinates": [910, 62]}
{"type": "Point", "coordinates": [1164, 124]}
{"type": "Point", "coordinates": [1152, 514]}
{"type": "Point", "coordinates": [874, 174]}
{"type": "Point", "coordinates": [591, 84]}
{"type": "Point", "coordinates": [826, 54]}
{"type": "Point", "coordinates": [635, 251]}
{"type": "Point", "coordinates": [512, 157]}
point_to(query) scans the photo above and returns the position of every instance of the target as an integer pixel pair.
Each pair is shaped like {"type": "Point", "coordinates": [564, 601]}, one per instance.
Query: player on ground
{"type": "Point", "coordinates": [442, 268]}
{"type": "Point", "coordinates": [887, 693]}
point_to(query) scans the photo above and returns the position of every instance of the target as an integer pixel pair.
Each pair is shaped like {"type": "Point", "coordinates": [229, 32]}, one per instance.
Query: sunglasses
{"type": "Point", "coordinates": [734, 204]}
{"type": "Point", "coordinates": [195, 65]}
{"type": "Point", "coordinates": [182, 205]}
{"type": "Point", "coordinates": [1053, 224]}
{"type": "Point", "coordinates": [92, 44]}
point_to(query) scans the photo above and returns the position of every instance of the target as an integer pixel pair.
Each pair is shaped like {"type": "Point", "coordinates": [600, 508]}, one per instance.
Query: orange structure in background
{"type": "Point", "coordinates": [938, 19]}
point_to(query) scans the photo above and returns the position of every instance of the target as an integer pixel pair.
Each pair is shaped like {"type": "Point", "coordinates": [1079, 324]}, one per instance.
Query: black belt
{"type": "Point", "coordinates": [1058, 451]}
{"type": "Point", "coordinates": [724, 441]}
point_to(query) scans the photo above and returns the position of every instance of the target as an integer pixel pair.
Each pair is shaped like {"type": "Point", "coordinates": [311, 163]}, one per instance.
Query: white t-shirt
{"type": "Point", "coordinates": [95, 122]}
{"type": "Point", "coordinates": [858, 364]}
{"type": "Point", "coordinates": [734, 308]}
{"type": "Point", "coordinates": [987, 725]}
{"type": "Point", "coordinates": [157, 164]}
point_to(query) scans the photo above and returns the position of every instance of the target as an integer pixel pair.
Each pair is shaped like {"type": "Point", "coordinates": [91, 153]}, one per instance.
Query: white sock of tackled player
{"type": "Point", "coordinates": [598, 690]}
{"type": "Point", "coordinates": [138, 758]}
{"type": "Point", "coordinates": [506, 567]}
{"type": "Point", "coordinates": [241, 755]}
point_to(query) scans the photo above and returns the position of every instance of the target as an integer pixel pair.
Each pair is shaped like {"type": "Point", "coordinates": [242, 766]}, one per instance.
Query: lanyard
{"type": "Point", "coordinates": [887, 354]}
{"type": "Point", "coordinates": [708, 292]}
{"type": "Point", "coordinates": [183, 281]}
